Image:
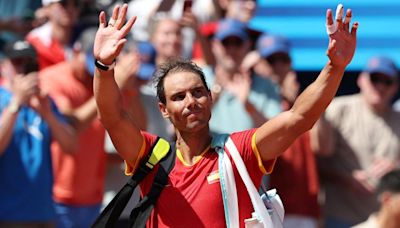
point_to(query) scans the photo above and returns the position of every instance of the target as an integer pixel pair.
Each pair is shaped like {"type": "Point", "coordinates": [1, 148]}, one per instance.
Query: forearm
{"type": "Point", "coordinates": [63, 133]}
{"type": "Point", "coordinates": [84, 115]}
{"type": "Point", "coordinates": [125, 135]}
{"type": "Point", "coordinates": [7, 122]}
{"type": "Point", "coordinates": [108, 98]}
{"type": "Point", "coordinates": [313, 101]}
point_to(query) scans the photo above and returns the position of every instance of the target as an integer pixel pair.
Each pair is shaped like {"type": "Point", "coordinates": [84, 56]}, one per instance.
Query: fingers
{"type": "Point", "coordinates": [333, 26]}
{"type": "Point", "coordinates": [329, 17]}
{"type": "Point", "coordinates": [347, 20]}
{"type": "Point", "coordinates": [122, 16]}
{"type": "Point", "coordinates": [339, 16]}
{"type": "Point", "coordinates": [114, 16]}
{"type": "Point", "coordinates": [120, 45]}
{"type": "Point", "coordinates": [127, 27]}
{"type": "Point", "coordinates": [354, 29]}
{"type": "Point", "coordinates": [102, 19]}
{"type": "Point", "coordinates": [330, 26]}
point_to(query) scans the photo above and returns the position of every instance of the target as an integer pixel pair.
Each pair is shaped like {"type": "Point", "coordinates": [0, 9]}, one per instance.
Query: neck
{"type": "Point", "coordinates": [61, 33]}
{"type": "Point", "coordinates": [192, 144]}
{"type": "Point", "coordinates": [385, 221]}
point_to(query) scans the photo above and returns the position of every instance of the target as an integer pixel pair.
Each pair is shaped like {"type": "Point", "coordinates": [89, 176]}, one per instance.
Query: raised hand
{"type": "Point", "coordinates": [110, 37]}
{"type": "Point", "coordinates": [24, 87]}
{"type": "Point", "coordinates": [342, 39]}
{"type": "Point", "coordinates": [41, 104]}
{"type": "Point", "coordinates": [240, 86]}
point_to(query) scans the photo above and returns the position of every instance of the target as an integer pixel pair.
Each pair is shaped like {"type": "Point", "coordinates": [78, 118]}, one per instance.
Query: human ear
{"type": "Point", "coordinates": [163, 110]}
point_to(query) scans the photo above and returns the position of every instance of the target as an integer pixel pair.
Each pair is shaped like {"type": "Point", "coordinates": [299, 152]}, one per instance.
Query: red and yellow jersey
{"type": "Point", "coordinates": [192, 197]}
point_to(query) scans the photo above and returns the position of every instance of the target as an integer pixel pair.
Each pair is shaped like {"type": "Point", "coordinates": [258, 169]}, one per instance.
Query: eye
{"type": "Point", "coordinates": [198, 92]}
{"type": "Point", "coordinates": [179, 97]}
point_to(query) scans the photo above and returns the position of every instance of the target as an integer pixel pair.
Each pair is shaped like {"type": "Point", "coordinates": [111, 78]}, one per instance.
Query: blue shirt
{"type": "Point", "coordinates": [26, 175]}
{"type": "Point", "coordinates": [229, 114]}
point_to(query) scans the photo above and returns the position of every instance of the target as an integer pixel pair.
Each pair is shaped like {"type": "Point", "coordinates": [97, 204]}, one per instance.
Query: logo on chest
{"type": "Point", "coordinates": [213, 177]}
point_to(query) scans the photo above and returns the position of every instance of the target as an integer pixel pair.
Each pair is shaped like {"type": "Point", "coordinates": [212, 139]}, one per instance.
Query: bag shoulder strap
{"type": "Point", "coordinates": [143, 209]}
{"type": "Point", "coordinates": [256, 200]}
{"type": "Point", "coordinates": [159, 150]}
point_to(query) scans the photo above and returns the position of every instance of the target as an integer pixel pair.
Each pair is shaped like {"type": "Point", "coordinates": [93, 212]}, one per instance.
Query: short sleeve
{"type": "Point", "coordinates": [148, 140]}
{"type": "Point", "coordinates": [245, 143]}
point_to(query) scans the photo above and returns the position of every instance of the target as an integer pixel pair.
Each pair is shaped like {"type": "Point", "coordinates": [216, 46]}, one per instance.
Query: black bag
{"type": "Point", "coordinates": [162, 152]}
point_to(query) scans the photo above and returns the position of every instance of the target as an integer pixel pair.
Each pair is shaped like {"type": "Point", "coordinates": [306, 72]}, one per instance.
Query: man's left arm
{"type": "Point", "coordinates": [276, 135]}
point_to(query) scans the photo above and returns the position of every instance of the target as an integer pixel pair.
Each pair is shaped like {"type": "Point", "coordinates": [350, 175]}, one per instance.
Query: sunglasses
{"type": "Point", "coordinates": [381, 79]}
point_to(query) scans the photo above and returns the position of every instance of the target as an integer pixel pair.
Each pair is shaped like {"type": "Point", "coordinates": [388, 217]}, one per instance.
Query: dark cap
{"type": "Point", "coordinates": [231, 27]}
{"type": "Point", "coordinates": [268, 45]}
{"type": "Point", "coordinates": [19, 49]}
{"type": "Point", "coordinates": [381, 64]}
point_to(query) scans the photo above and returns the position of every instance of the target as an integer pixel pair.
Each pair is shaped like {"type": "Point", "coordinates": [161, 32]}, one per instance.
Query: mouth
{"type": "Point", "coordinates": [192, 113]}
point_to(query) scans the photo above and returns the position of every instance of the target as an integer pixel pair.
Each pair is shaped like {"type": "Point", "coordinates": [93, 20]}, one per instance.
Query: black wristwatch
{"type": "Point", "coordinates": [103, 66]}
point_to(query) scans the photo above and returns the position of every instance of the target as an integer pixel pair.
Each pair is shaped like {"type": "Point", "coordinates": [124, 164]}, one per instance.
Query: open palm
{"type": "Point", "coordinates": [110, 37]}
{"type": "Point", "coordinates": [342, 43]}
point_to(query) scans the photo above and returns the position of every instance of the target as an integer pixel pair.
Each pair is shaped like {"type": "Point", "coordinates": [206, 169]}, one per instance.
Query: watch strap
{"type": "Point", "coordinates": [103, 66]}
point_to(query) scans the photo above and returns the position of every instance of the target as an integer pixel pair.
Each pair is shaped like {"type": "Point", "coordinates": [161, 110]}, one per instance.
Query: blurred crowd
{"type": "Point", "coordinates": [58, 167]}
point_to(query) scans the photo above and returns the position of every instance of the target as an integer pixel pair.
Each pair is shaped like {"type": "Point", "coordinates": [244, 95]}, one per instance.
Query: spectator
{"type": "Point", "coordinates": [245, 96]}
{"type": "Point", "coordinates": [77, 198]}
{"type": "Point", "coordinates": [240, 10]}
{"type": "Point", "coordinates": [29, 122]}
{"type": "Point", "coordinates": [388, 191]}
{"type": "Point", "coordinates": [361, 132]}
{"type": "Point", "coordinates": [53, 39]}
{"type": "Point", "coordinates": [166, 38]}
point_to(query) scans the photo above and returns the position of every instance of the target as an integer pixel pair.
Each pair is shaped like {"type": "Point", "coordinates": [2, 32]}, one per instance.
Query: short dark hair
{"type": "Point", "coordinates": [390, 182]}
{"type": "Point", "coordinates": [174, 66]}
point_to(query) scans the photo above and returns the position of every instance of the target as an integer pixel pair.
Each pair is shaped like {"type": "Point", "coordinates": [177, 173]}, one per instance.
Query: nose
{"type": "Point", "coordinates": [190, 100]}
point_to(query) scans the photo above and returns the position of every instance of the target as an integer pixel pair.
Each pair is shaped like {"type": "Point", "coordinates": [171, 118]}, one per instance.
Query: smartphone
{"type": "Point", "coordinates": [187, 5]}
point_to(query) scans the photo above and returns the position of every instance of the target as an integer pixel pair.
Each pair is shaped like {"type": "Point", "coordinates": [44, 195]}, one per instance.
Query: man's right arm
{"type": "Point", "coordinates": [125, 135]}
